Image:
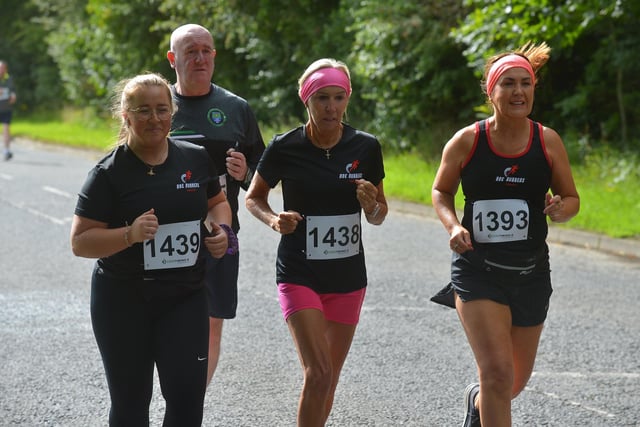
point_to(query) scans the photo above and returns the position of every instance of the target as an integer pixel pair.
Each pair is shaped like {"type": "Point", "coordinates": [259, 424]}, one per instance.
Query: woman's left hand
{"type": "Point", "coordinates": [218, 242]}
{"type": "Point", "coordinates": [367, 194]}
{"type": "Point", "coordinates": [553, 207]}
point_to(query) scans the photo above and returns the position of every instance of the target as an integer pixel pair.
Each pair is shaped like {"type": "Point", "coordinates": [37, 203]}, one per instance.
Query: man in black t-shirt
{"type": "Point", "coordinates": [223, 123]}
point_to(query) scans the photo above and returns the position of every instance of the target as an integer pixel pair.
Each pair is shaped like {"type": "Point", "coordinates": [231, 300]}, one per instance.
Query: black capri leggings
{"type": "Point", "coordinates": [133, 332]}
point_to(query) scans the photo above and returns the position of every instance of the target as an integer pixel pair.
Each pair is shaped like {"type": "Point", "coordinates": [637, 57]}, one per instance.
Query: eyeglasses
{"type": "Point", "coordinates": [145, 113]}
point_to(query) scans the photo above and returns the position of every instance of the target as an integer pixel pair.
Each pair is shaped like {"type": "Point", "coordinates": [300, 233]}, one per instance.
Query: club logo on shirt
{"type": "Point", "coordinates": [185, 184]}
{"type": "Point", "coordinates": [350, 171]}
{"type": "Point", "coordinates": [509, 176]}
{"type": "Point", "coordinates": [216, 117]}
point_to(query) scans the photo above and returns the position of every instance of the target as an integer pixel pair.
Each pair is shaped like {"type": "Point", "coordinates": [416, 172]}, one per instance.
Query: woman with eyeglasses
{"type": "Point", "coordinates": [147, 212]}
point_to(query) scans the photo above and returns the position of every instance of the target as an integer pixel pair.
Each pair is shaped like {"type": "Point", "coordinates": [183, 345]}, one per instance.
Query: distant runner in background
{"type": "Point", "coordinates": [7, 99]}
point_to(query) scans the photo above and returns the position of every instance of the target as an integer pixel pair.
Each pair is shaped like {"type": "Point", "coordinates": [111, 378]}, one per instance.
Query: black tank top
{"type": "Point", "coordinates": [489, 175]}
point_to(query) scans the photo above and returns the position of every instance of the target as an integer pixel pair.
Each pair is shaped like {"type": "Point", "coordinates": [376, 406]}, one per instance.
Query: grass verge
{"type": "Point", "coordinates": [608, 182]}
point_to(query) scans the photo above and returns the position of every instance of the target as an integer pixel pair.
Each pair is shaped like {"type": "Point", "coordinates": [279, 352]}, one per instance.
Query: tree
{"type": "Point", "coordinates": [22, 45]}
{"type": "Point", "coordinates": [414, 75]}
{"type": "Point", "coordinates": [96, 43]}
{"type": "Point", "coordinates": [262, 46]}
{"type": "Point", "coordinates": [412, 63]}
{"type": "Point", "coordinates": [593, 40]}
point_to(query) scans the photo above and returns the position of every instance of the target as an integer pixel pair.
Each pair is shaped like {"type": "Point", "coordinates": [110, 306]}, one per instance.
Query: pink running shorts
{"type": "Point", "coordinates": [336, 307]}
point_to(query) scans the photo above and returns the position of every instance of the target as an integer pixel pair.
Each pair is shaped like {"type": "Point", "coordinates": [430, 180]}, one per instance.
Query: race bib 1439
{"type": "Point", "coordinates": [174, 246]}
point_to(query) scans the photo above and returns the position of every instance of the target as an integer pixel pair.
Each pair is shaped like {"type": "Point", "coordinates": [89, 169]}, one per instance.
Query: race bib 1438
{"type": "Point", "coordinates": [333, 236]}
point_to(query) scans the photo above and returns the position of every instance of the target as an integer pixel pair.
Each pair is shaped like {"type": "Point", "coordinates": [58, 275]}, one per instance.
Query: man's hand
{"type": "Point", "coordinates": [236, 164]}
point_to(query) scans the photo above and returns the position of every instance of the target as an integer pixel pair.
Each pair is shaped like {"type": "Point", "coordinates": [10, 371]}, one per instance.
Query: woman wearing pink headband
{"type": "Point", "coordinates": [330, 173]}
{"type": "Point", "coordinates": [500, 272]}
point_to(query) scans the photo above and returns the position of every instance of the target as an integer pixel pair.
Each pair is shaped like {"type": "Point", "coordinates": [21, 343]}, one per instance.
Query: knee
{"type": "Point", "coordinates": [498, 378]}
{"type": "Point", "coordinates": [128, 415]}
{"type": "Point", "coordinates": [318, 378]}
{"type": "Point", "coordinates": [129, 404]}
{"type": "Point", "coordinates": [184, 407]}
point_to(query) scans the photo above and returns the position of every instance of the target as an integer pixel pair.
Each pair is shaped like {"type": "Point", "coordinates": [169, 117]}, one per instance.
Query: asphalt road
{"type": "Point", "coordinates": [409, 362]}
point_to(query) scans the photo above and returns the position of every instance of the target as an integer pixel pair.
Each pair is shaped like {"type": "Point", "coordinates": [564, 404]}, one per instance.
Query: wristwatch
{"type": "Point", "coordinates": [248, 177]}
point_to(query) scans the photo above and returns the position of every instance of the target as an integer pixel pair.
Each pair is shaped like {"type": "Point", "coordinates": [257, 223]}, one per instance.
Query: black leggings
{"type": "Point", "coordinates": [133, 333]}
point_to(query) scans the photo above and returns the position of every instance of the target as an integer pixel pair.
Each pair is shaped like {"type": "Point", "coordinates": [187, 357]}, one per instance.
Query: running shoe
{"type": "Point", "coordinates": [8, 155]}
{"type": "Point", "coordinates": [471, 413]}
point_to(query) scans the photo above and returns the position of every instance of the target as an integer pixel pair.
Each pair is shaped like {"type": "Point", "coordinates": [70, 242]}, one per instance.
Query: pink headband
{"type": "Point", "coordinates": [505, 63]}
{"type": "Point", "coordinates": [322, 78]}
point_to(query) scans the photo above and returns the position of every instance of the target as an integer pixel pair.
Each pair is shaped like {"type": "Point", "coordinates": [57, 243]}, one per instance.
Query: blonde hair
{"type": "Point", "coordinates": [126, 90]}
{"type": "Point", "coordinates": [537, 55]}
{"type": "Point", "coordinates": [320, 64]}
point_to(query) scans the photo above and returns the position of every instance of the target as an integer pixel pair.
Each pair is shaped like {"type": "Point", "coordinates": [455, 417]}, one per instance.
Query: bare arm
{"type": "Point", "coordinates": [257, 202]}
{"type": "Point", "coordinates": [92, 239]}
{"type": "Point", "coordinates": [219, 209]}
{"type": "Point", "coordinates": [445, 187]}
{"type": "Point", "coordinates": [219, 213]}
{"type": "Point", "coordinates": [565, 202]}
{"type": "Point", "coordinates": [372, 201]}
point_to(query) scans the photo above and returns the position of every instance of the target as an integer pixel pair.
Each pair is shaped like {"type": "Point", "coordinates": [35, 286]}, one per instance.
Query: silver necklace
{"type": "Point", "coordinates": [327, 151]}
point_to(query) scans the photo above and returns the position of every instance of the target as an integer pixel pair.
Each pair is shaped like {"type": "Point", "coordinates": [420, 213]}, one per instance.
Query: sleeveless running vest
{"type": "Point", "coordinates": [505, 197]}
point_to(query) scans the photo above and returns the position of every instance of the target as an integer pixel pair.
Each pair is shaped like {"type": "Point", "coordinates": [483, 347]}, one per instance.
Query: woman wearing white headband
{"type": "Point", "coordinates": [500, 275]}
{"type": "Point", "coordinates": [330, 173]}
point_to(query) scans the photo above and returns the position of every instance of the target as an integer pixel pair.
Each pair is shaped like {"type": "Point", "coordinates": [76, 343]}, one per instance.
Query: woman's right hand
{"type": "Point", "coordinates": [144, 227]}
{"type": "Point", "coordinates": [460, 240]}
{"type": "Point", "coordinates": [286, 222]}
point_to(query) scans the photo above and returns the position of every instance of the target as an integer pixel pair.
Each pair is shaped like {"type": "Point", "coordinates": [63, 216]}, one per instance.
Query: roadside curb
{"type": "Point", "coordinates": [626, 248]}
